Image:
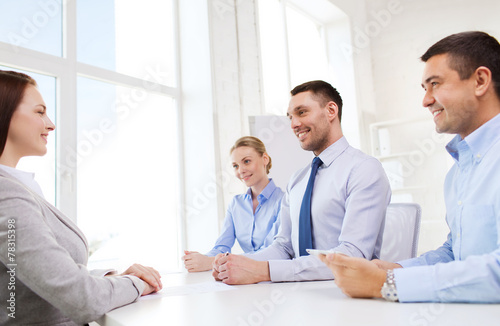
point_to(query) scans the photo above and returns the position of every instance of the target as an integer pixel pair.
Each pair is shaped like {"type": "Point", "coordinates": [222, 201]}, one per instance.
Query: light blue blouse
{"type": "Point", "coordinates": [253, 231]}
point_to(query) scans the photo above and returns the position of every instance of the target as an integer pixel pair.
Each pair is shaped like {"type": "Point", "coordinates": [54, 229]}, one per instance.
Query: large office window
{"type": "Point", "coordinates": [108, 67]}
{"type": "Point", "coordinates": [300, 42]}
{"type": "Point", "coordinates": [35, 25]}
{"type": "Point", "coordinates": [129, 37]}
{"type": "Point", "coordinates": [292, 51]}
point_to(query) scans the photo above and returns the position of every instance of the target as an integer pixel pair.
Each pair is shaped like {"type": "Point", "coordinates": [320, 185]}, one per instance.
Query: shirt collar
{"type": "Point", "coordinates": [333, 151]}
{"type": "Point", "coordinates": [479, 141]}
{"type": "Point", "coordinates": [26, 178]}
{"type": "Point", "coordinates": [23, 176]}
{"type": "Point", "coordinates": [266, 193]}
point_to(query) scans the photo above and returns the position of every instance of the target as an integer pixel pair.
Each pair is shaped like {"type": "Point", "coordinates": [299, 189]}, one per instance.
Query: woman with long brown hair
{"type": "Point", "coordinates": [43, 254]}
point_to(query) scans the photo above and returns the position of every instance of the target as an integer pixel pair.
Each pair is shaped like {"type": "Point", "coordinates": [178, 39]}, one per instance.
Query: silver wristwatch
{"type": "Point", "coordinates": [389, 291]}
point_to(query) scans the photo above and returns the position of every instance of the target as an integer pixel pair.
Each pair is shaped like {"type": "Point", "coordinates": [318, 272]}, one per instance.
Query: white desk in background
{"type": "Point", "coordinates": [297, 303]}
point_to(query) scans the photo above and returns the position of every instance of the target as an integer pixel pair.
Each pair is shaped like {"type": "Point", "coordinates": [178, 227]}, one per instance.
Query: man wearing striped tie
{"type": "Point", "coordinates": [337, 202]}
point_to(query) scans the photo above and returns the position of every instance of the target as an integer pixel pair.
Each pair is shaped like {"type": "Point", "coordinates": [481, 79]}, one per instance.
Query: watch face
{"type": "Point", "coordinates": [389, 292]}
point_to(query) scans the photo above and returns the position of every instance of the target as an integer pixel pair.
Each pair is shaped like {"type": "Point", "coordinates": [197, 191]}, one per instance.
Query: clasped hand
{"type": "Point", "coordinates": [237, 269]}
{"type": "Point", "coordinates": [149, 275]}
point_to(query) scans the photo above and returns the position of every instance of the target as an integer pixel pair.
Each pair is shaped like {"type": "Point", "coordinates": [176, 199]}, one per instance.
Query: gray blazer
{"type": "Point", "coordinates": [43, 274]}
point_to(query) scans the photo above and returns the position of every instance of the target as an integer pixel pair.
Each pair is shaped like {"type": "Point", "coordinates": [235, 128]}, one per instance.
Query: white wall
{"type": "Point", "coordinates": [282, 145]}
{"type": "Point", "coordinates": [396, 41]}
{"type": "Point", "coordinates": [222, 60]}
{"type": "Point", "coordinates": [236, 77]}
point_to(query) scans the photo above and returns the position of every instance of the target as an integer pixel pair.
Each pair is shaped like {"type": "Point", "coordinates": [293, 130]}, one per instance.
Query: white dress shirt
{"type": "Point", "coordinates": [350, 197]}
{"type": "Point", "coordinates": [27, 178]}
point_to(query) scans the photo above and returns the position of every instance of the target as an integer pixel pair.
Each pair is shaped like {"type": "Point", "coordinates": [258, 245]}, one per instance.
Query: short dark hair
{"type": "Point", "coordinates": [322, 91]}
{"type": "Point", "coordinates": [468, 51]}
{"type": "Point", "coordinates": [12, 86]}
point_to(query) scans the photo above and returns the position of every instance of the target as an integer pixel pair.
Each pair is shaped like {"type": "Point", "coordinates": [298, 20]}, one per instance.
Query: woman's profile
{"type": "Point", "coordinates": [43, 254]}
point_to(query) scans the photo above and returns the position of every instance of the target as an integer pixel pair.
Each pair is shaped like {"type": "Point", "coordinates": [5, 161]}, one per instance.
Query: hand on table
{"type": "Point", "coordinates": [237, 269]}
{"type": "Point", "coordinates": [149, 275]}
{"type": "Point", "coordinates": [196, 262]}
{"type": "Point", "coordinates": [356, 277]}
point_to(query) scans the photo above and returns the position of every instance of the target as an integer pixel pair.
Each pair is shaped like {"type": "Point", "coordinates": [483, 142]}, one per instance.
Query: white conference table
{"type": "Point", "coordinates": [295, 303]}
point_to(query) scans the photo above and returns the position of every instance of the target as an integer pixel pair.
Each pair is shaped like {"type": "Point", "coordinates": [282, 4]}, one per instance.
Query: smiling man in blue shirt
{"type": "Point", "coordinates": [462, 91]}
{"type": "Point", "coordinates": [346, 212]}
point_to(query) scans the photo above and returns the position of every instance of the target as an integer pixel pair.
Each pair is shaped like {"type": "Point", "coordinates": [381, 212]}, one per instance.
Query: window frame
{"type": "Point", "coordinates": [65, 70]}
{"type": "Point", "coordinates": [284, 4]}
{"type": "Point", "coordinates": [335, 29]}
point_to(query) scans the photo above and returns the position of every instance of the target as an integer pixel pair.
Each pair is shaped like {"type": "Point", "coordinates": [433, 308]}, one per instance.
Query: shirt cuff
{"type": "Point", "coordinates": [409, 262]}
{"type": "Point", "coordinates": [215, 251]}
{"type": "Point", "coordinates": [415, 284]}
{"type": "Point", "coordinates": [281, 270]}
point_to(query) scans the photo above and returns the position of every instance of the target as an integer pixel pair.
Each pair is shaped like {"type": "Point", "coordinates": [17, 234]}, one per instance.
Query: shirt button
{"type": "Point", "coordinates": [459, 202]}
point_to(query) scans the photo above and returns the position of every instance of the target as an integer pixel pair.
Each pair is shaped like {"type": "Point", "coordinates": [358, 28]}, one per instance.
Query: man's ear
{"type": "Point", "coordinates": [332, 109]}
{"type": "Point", "coordinates": [483, 81]}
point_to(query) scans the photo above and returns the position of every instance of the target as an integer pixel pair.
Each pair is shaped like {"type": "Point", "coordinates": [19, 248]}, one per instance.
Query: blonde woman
{"type": "Point", "coordinates": [43, 254]}
{"type": "Point", "coordinates": [252, 217]}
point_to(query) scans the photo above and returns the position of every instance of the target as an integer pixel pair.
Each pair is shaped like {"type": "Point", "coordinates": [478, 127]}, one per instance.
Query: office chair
{"type": "Point", "coordinates": [402, 227]}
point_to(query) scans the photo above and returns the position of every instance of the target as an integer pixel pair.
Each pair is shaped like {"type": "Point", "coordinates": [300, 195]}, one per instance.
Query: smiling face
{"type": "Point", "coordinates": [311, 122]}
{"type": "Point", "coordinates": [250, 166]}
{"type": "Point", "coordinates": [28, 129]}
{"type": "Point", "coordinates": [451, 100]}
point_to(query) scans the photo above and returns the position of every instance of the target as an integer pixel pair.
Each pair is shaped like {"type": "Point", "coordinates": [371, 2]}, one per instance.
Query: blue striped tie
{"type": "Point", "coordinates": [305, 234]}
